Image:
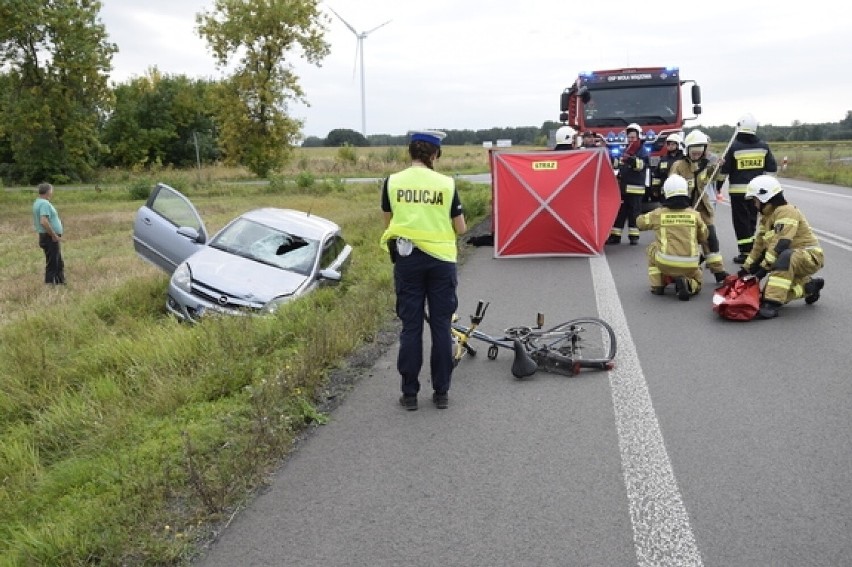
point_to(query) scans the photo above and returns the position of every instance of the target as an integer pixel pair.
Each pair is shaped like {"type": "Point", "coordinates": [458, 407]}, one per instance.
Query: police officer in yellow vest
{"type": "Point", "coordinates": [423, 215]}
{"type": "Point", "coordinates": [674, 255]}
{"type": "Point", "coordinates": [785, 248]}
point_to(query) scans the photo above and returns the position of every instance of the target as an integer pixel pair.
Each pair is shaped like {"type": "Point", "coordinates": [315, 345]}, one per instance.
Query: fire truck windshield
{"type": "Point", "coordinates": [645, 105]}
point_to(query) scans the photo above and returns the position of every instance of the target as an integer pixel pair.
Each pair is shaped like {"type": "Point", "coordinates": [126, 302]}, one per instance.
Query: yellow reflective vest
{"type": "Point", "coordinates": [420, 201]}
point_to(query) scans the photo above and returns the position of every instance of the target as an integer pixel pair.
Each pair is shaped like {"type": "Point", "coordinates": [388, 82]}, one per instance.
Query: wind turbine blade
{"type": "Point", "coordinates": [342, 20]}
{"type": "Point", "coordinates": [377, 27]}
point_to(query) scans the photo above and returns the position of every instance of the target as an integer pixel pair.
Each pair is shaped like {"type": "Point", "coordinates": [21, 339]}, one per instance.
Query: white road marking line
{"type": "Point", "coordinates": [661, 532]}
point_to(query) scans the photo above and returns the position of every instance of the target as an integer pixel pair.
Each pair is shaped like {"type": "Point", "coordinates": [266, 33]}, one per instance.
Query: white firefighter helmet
{"type": "Point", "coordinates": [675, 138]}
{"type": "Point", "coordinates": [696, 138]}
{"type": "Point", "coordinates": [675, 186]}
{"type": "Point", "coordinates": [763, 188]}
{"type": "Point", "coordinates": [747, 124]}
{"type": "Point", "coordinates": [565, 135]}
{"type": "Point", "coordinates": [634, 126]}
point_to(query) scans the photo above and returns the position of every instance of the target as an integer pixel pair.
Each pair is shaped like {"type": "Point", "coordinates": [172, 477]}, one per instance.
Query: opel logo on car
{"type": "Point", "coordinates": [223, 300]}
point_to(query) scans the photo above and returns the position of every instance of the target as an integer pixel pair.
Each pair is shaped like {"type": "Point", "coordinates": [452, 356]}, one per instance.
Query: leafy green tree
{"type": "Point", "coordinates": [345, 136]}
{"type": "Point", "coordinates": [313, 142]}
{"type": "Point", "coordinates": [254, 128]}
{"type": "Point", "coordinates": [159, 120]}
{"type": "Point", "coordinates": [58, 57]}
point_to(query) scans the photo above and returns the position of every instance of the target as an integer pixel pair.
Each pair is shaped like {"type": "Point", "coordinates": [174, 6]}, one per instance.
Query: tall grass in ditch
{"type": "Point", "coordinates": [124, 435]}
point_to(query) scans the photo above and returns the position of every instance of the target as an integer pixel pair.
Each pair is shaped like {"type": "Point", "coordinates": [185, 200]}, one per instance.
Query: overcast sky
{"type": "Point", "coordinates": [476, 64]}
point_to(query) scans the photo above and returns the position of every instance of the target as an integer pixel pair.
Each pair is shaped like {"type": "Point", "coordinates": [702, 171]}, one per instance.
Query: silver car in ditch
{"type": "Point", "coordinates": [257, 262]}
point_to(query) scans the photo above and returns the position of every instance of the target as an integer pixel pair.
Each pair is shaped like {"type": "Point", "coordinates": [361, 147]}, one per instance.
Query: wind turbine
{"type": "Point", "coordinates": [360, 48]}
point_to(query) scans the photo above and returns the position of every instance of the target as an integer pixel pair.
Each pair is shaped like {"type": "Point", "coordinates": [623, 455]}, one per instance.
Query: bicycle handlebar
{"type": "Point", "coordinates": [481, 308]}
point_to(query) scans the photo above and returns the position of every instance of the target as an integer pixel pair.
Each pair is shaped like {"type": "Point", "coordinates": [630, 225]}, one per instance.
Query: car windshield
{"type": "Point", "coordinates": [620, 107]}
{"type": "Point", "coordinates": [268, 245]}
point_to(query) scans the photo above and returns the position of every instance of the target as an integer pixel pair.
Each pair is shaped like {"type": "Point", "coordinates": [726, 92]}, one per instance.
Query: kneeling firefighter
{"type": "Point", "coordinates": [785, 248]}
{"type": "Point", "coordinates": [675, 254]}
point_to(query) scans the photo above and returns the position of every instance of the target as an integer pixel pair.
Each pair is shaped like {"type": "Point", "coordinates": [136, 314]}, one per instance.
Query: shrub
{"type": "Point", "coordinates": [140, 189]}
{"type": "Point", "coordinates": [305, 180]}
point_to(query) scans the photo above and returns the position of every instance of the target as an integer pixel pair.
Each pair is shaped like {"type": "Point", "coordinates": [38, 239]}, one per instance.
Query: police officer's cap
{"type": "Point", "coordinates": [431, 136]}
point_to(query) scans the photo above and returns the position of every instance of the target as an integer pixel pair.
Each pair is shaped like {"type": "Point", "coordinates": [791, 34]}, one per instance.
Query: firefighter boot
{"type": "Point", "coordinates": [613, 239]}
{"type": "Point", "coordinates": [658, 289]}
{"type": "Point", "coordinates": [769, 310]}
{"type": "Point", "coordinates": [812, 289]}
{"type": "Point", "coordinates": [740, 259]}
{"type": "Point", "coordinates": [720, 278]}
{"type": "Point", "coordinates": [682, 288]}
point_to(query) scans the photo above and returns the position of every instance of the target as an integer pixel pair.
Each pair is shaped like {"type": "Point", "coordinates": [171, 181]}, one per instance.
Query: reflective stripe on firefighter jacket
{"type": "Point", "coordinates": [632, 177]}
{"type": "Point", "coordinates": [420, 200]}
{"type": "Point", "coordinates": [679, 234]}
{"type": "Point", "coordinates": [748, 157]}
{"type": "Point", "coordinates": [697, 175]}
{"type": "Point", "coordinates": [789, 269]}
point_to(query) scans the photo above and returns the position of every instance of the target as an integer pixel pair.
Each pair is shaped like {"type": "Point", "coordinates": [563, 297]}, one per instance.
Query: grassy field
{"type": "Point", "coordinates": [124, 435]}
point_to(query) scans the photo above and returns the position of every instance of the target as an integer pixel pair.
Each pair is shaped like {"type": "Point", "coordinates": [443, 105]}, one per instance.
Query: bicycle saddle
{"type": "Point", "coordinates": [523, 364]}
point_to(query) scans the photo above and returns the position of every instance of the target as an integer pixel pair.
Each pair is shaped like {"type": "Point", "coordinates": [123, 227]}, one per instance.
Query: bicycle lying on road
{"type": "Point", "coordinates": [567, 348]}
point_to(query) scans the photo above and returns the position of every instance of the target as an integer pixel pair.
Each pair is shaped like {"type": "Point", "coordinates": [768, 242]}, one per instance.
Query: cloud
{"type": "Point", "coordinates": [480, 64]}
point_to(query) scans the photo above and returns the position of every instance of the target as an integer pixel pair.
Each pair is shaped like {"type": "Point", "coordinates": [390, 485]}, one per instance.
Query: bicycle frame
{"type": "Point", "coordinates": [533, 347]}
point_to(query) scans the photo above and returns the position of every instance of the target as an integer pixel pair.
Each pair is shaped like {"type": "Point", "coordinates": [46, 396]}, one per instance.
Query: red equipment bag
{"type": "Point", "coordinates": [738, 299]}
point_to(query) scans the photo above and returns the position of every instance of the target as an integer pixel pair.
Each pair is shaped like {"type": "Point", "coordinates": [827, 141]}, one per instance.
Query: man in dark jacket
{"type": "Point", "coordinates": [631, 180]}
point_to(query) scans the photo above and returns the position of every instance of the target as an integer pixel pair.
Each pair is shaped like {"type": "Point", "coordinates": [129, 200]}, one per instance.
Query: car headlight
{"type": "Point", "coordinates": [274, 304]}
{"type": "Point", "coordinates": [182, 277]}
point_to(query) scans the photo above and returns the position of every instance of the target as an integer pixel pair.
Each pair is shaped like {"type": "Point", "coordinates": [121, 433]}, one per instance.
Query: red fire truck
{"type": "Point", "coordinates": [605, 102]}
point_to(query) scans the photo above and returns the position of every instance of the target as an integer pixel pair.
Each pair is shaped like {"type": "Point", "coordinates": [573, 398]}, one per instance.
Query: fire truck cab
{"type": "Point", "coordinates": [605, 102]}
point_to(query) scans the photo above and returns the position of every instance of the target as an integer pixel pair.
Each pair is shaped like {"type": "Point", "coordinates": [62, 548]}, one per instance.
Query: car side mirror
{"type": "Point", "coordinates": [189, 233]}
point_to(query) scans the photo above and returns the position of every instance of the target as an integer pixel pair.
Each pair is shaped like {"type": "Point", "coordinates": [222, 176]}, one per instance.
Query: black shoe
{"type": "Point", "coordinates": [634, 241]}
{"type": "Point", "coordinates": [812, 289]}
{"type": "Point", "coordinates": [441, 400]}
{"type": "Point", "coordinates": [613, 240]}
{"type": "Point", "coordinates": [769, 310]}
{"type": "Point", "coordinates": [658, 289]}
{"type": "Point", "coordinates": [739, 259]}
{"type": "Point", "coordinates": [408, 402]}
{"type": "Point", "coordinates": [682, 288]}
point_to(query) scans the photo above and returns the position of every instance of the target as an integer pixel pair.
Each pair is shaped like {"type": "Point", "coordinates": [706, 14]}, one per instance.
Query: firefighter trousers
{"type": "Point", "coordinates": [744, 217]}
{"type": "Point", "coordinates": [660, 274]}
{"type": "Point", "coordinates": [631, 207]}
{"type": "Point", "coordinates": [785, 285]}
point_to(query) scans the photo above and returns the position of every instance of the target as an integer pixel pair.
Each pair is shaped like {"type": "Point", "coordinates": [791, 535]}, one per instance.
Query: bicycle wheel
{"type": "Point", "coordinates": [588, 342]}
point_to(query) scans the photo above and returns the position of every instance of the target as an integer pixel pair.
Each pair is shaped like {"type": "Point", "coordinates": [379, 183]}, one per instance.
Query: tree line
{"type": "Point", "coordinates": [61, 120]}
{"type": "Point", "coordinates": [539, 136]}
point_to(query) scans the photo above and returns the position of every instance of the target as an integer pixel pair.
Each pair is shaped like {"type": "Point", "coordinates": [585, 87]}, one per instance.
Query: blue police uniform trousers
{"type": "Point", "coordinates": [422, 280]}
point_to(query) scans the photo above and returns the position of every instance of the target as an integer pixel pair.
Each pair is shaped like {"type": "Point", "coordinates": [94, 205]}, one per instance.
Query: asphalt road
{"type": "Point", "coordinates": [711, 443]}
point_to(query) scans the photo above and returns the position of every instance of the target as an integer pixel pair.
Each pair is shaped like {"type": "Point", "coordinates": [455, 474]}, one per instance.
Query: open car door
{"type": "Point", "coordinates": [167, 229]}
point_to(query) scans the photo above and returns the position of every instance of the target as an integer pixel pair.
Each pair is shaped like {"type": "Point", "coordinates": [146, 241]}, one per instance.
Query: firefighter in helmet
{"type": "Point", "coordinates": [631, 180]}
{"type": "Point", "coordinates": [675, 254]}
{"type": "Point", "coordinates": [785, 248]}
{"type": "Point", "coordinates": [674, 152]}
{"type": "Point", "coordinates": [748, 157]}
{"type": "Point", "coordinates": [694, 167]}
{"type": "Point", "coordinates": [565, 138]}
